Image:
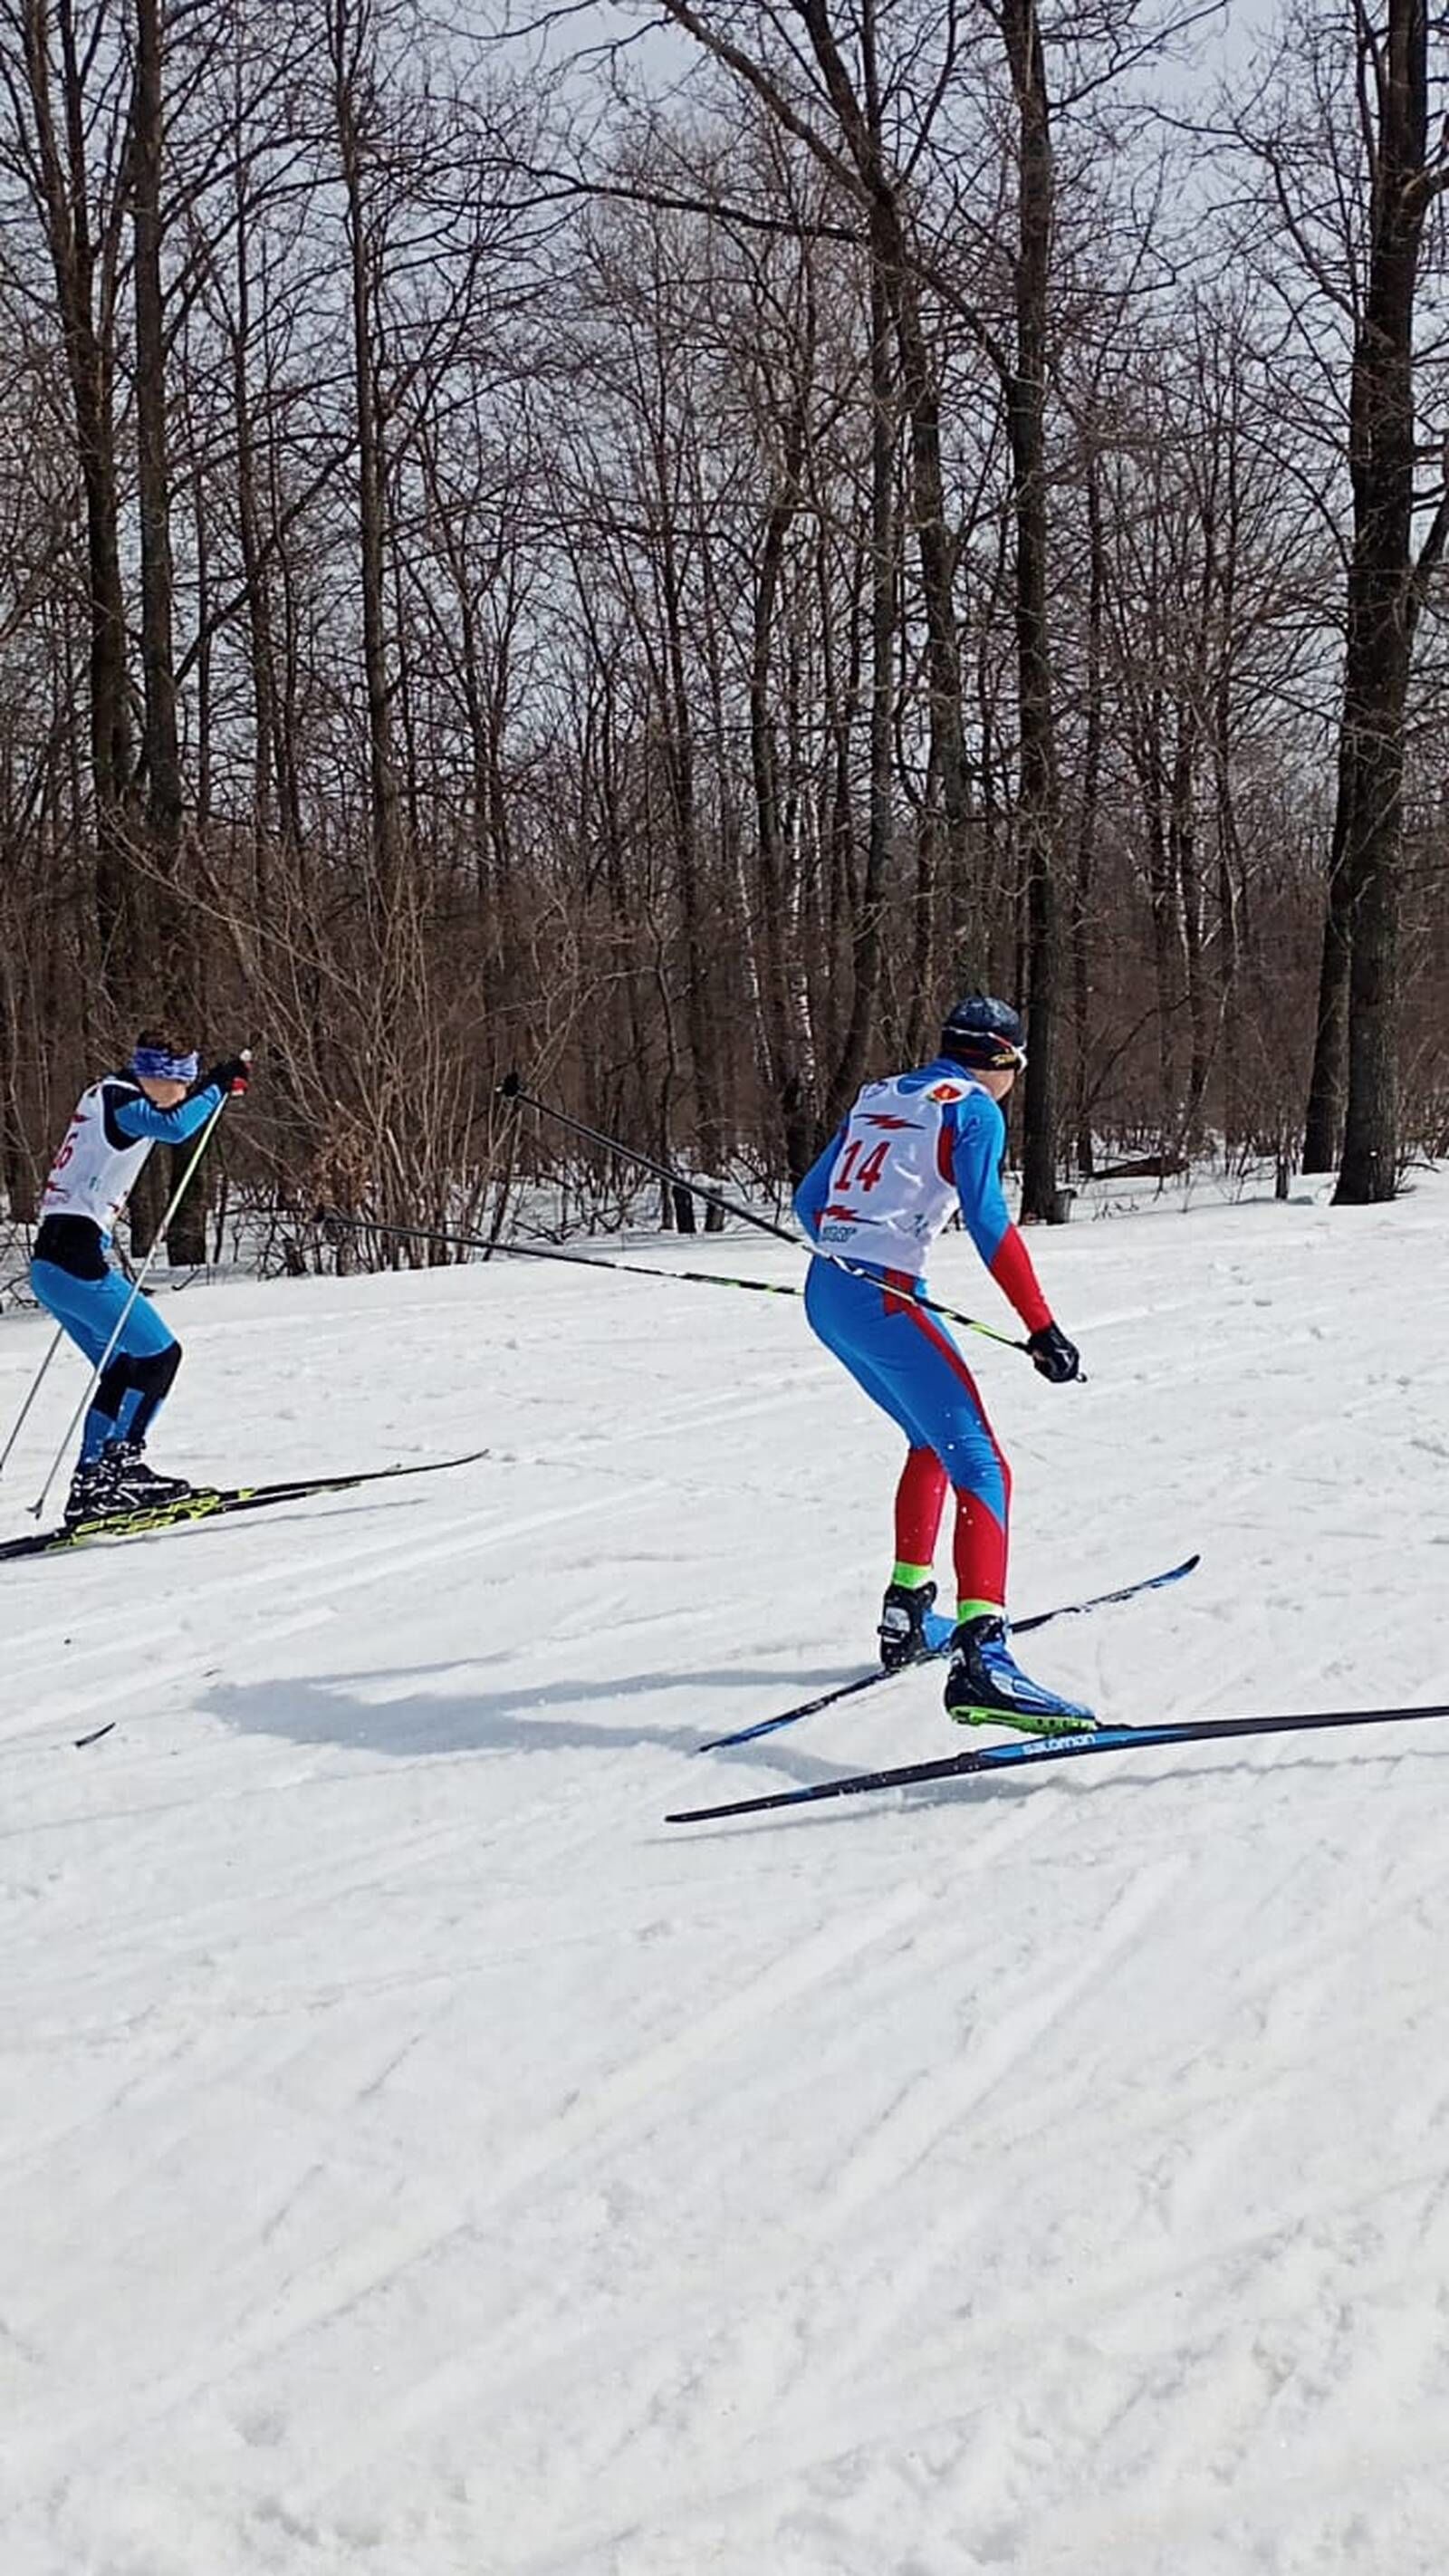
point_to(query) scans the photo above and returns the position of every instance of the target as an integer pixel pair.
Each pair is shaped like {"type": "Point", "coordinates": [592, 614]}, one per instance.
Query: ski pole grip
{"type": "Point", "coordinates": [511, 1086]}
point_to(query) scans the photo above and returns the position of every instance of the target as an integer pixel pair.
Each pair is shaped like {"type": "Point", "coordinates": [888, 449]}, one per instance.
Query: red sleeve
{"type": "Point", "coordinates": [1011, 1269]}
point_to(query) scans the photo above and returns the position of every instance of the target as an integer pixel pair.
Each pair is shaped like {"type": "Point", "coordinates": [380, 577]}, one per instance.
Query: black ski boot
{"type": "Point", "coordinates": [134, 1485]}
{"type": "Point", "coordinates": [902, 1630]}
{"type": "Point", "coordinates": [92, 1491]}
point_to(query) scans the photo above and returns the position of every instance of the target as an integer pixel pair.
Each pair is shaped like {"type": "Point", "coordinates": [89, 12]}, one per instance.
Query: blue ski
{"type": "Point", "coordinates": [938, 1633]}
{"type": "Point", "coordinates": [1054, 1748]}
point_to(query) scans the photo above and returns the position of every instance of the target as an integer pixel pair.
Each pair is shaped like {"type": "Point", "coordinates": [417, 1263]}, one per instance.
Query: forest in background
{"type": "Point", "coordinates": [661, 545]}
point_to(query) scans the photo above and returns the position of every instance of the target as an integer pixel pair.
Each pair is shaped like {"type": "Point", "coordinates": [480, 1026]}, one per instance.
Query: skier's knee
{"type": "Point", "coordinates": [152, 1373]}
{"type": "Point", "coordinates": [978, 1480]}
{"type": "Point", "coordinates": [162, 1368]}
{"type": "Point", "coordinates": [113, 1387]}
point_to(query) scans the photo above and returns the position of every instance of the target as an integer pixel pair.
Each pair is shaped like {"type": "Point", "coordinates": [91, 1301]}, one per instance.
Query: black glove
{"type": "Point", "coordinates": [231, 1076]}
{"type": "Point", "coordinates": [1053, 1356]}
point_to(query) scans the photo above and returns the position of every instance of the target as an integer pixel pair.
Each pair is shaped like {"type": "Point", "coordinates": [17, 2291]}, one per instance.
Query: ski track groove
{"type": "Point", "coordinates": [344, 1575]}
{"type": "Point", "coordinates": [339, 2286]}
{"type": "Point", "coordinates": [220, 1589]}
{"type": "Point", "coordinates": [941, 2099]}
{"type": "Point", "coordinates": [795, 2446]}
{"type": "Point", "coordinates": [1128, 1919]}
{"type": "Point", "coordinates": [462, 2380]}
{"type": "Point", "coordinates": [486, 2369]}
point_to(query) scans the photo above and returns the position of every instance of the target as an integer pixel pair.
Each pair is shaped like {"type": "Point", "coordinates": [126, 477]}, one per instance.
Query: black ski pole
{"type": "Point", "coordinates": [511, 1088]}
{"type": "Point", "coordinates": [549, 1252]}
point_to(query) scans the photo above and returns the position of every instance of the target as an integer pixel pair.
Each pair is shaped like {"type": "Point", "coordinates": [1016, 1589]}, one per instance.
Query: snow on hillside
{"type": "Point", "coordinates": [418, 2160]}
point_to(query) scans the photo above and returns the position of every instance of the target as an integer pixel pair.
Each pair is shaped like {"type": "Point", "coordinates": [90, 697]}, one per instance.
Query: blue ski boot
{"type": "Point", "coordinates": [984, 1687]}
{"type": "Point", "coordinates": [902, 1630]}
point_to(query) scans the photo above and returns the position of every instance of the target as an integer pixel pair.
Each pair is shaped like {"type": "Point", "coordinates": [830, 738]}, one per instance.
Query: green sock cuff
{"type": "Point", "coordinates": [979, 1610]}
{"type": "Point", "coordinates": [910, 1577]}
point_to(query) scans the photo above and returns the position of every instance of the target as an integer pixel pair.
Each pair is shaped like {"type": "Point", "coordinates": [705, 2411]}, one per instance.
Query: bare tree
{"type": "Point", "coordinates": [68, 82]}
{"type": "Point", "coordinates": [1383, 583]}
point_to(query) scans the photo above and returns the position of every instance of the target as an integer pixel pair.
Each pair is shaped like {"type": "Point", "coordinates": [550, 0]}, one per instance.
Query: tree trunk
{"type": "Point", "coordinates": [175, 967]}
{"type": "Point", "coordinates": [347, 31]}
{"type": "Point", "coordinates": [1087, 827]}
{"type": "Point", "coordinates": [850, 1072]}
{"type": "Point", "coordinates": [84, 267]}
{"type": "Point", "coordinates": [1323, 1125]}
{"type": "Point", "coordinates": [947, 759]}
{"type": "Point", "coordinates": [1162, 898]}
{"type": "Point", "coordinates": [1377, 663]}
{"type": "Point", "coordinates": [679, 762]}
{"type": "Point", "coordinates": [1187, 874]}
{"type": "Point", "coordinates": [1037, 799]}
{"type": "Point", "coordinates": [791, 1065]}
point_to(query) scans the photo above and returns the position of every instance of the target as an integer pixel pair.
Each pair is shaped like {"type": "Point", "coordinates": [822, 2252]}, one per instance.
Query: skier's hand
{"type": "Point", "coordinates": [1053, 1356]}
{"type": "Point", "coordinates": [230, 1077]}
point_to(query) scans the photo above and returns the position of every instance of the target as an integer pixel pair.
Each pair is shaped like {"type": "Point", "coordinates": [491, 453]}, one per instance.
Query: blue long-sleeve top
{"type": "Point", "coordinates": [139, 1117]}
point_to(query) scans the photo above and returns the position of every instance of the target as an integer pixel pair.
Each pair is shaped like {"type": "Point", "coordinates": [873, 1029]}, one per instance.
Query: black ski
{"type": "Point", "coordinates": [211, 1503]}
{"type": "Point", "coordinates": [939, 1632]}
{"type": "Point", "coordinates": [1053, 1748]}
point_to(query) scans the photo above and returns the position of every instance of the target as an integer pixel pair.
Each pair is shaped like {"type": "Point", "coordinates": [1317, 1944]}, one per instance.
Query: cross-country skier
{"type": "Point", "coordinates": [913, 1149]}
{"type": "Point", "coordinates": [116, 1123]}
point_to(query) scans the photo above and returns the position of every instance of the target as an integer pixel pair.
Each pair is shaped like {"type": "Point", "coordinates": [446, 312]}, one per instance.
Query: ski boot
{"type": "Point", "coordinates": [984, 1687]}
{"type": "Point", "coordinates": [92, 1491]}
{"type": "Point", "coordinates": [902, 1630]}
{"type": "Point", "coordinates": [134, 1487]}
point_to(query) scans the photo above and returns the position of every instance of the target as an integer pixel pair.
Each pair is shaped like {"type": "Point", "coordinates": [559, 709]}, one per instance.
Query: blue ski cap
{"type": "Point", "coordinates": [155, 1059]}
{"type": "Point", "coordinates": [986, 1034]}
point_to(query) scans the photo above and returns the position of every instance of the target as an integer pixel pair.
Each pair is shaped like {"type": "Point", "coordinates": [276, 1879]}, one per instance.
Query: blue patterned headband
{"type": "Point", "coordinates": [158, 1064]}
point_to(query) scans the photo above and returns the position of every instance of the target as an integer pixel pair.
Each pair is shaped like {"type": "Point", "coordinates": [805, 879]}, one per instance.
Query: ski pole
{"type": "Point", "coordinates": [142, 1275]}
{"type": "Point", "coordinates": [511, 1088]}
{"type": "Point", "coordinates": [635, 1269]}
{"type": "Point", "coordinates": [35, 1386]}
{"type": "Point", "coordinates": [550, 1252]}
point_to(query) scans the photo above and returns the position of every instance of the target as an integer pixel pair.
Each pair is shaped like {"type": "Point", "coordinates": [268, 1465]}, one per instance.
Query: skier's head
{"type": "Point", "coordinates": [164, 1070]}
{"type": "Point", "coordinates": [986, 1036]}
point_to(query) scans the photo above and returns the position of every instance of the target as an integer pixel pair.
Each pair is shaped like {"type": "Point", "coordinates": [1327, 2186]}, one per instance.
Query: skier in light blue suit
{"type": "Point", "coordinates": [117, 1121]}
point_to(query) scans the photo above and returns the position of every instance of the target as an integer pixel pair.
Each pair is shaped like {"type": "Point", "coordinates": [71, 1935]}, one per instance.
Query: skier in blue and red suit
{"type": "Point", "coordinates": [914, 1149]}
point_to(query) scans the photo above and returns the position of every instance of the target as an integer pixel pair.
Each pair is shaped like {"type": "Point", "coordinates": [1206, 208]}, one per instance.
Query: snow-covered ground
{"type": "Point", "coordinates": [418, 2160]}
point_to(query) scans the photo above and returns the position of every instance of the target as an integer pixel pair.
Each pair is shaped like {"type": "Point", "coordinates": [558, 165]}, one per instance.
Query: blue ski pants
{"type": "Point", "coordinates": [138, 1375]}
